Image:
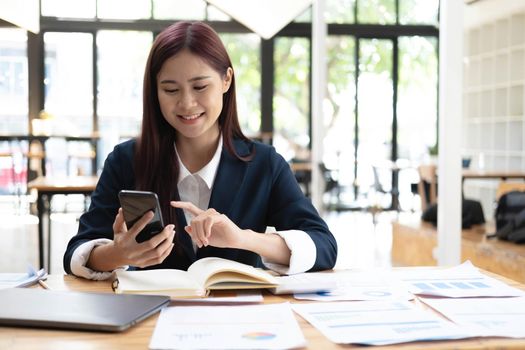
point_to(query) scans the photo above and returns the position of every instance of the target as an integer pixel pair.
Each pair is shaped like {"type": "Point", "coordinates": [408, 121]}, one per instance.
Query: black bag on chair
{"type": "Point", "coordinates": [471, 213]}
{"type": "Point", "coordinates": [510, 217]}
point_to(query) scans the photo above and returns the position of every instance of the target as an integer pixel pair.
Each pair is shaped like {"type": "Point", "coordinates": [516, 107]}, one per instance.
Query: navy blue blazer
{"type": "Point", "coordinates": [254, 194]}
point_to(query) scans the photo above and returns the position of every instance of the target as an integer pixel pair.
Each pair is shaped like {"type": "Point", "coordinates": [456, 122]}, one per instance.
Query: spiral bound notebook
{"type": "Point", "coordinates": [31, 307]}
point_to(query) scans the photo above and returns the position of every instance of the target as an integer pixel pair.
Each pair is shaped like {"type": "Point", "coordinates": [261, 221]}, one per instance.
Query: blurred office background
{"type": "Point", "coordinates": [81, 76]}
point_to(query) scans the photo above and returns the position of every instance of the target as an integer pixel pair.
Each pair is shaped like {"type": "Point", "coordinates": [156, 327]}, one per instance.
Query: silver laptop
{"type": "Point", "coordinates": [29, 307]}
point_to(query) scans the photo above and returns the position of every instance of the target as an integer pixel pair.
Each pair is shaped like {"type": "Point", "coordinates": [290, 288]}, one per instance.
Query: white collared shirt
{"type": "Point", "coordinates": [197, 188]}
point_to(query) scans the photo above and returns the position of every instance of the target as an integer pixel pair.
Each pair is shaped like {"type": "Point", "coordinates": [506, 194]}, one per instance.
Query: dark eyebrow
{"type": "Point", "coordinates": [170, 81]}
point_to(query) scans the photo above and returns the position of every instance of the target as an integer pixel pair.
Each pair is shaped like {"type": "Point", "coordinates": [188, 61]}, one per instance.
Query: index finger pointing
{"type": "Point", "coordinates": [188, 206]}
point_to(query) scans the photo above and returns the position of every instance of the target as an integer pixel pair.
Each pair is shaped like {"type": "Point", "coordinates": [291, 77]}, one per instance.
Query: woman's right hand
{"type": "Point", "coordinates": [144, 254]}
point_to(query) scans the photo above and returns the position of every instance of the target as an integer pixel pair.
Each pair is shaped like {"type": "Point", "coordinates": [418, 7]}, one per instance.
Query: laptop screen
{"type": "Point", "coordinates": [76, 310]}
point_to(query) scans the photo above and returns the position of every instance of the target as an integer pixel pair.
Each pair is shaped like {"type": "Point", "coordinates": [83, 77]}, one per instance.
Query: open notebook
{"type": "Point", "coordinates": [108, 312]}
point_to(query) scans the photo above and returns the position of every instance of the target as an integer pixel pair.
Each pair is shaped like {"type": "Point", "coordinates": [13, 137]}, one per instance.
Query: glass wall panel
{"type": "Point", "coordinates": [68, 8]}
{"type": "Point", "coordinates": [244, 51]}
{"type": "Point", "coordinates": [417, 96]}
{"type": "Point", "coordinates": [339, 11]}
{"type": "Point", "coordinates": [122, 58]}
{"type": "Point", "coordinates": [375, 95]}
{"type": "Point", "coordinates": [416, 106]}
{"type": "Point", "coordinates": [13, 82]}
{"type": "Point", "coordinates": [305, 17]}
{"type": "Point", "coordinates": [179, 9]}
{"type": "Point", "coordinates": [291, 97]}
{"type": "Point", "coordinates": [124, 9]}
{"type": "Point", "coordinates": [13, 110]}
{"type": "Point", "coordinates": [376, 11]}
{"type": "Point", "coordinates": [418, 11]}
{"type": "Point", "coordinates": [68, 100]}
{"type": "Point", "coordinates": [339, 109]}
{"type": "Point", "coordinates": [68, 83]}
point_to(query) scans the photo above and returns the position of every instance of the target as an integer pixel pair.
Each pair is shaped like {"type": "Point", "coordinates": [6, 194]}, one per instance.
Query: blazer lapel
{"type": "Point", "coordinates": [229, 178]}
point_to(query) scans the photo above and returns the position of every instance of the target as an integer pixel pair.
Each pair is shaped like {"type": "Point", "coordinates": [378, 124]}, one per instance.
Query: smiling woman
{"type": "Point", "coordinates": [191, 99]}
{"type": "Point", "coordinates": [217, 189]}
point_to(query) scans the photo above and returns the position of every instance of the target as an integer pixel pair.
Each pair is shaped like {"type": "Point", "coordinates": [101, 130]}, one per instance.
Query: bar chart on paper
{"type": "Point", "coordinates": [377, 322]}
{"type": "Point", "coordinates": [461, 281]}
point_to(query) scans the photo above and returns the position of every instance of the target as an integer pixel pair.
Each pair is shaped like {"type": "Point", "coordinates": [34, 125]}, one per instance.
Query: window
{"type": "Point", "coordinates": [14, 110]}
{"type": "Point", "coordinates": [244, 52]}
{"type": "Point", "coordinates": [69, 83]}
{"type": "Point", "coordinates": [375, 96]}
{"type": "Point", "coordinates": [340, 11]}
{"type": "Point", "coordinates": [339, 108]}
{"type": "Point", "coordinates": [291, 97]}
{"type": "Point", "coordinates": [417, 96]}
{"type": "Point", "coordinates": [376, 11]}
{"type": "Point", "coordinates": [124, 9]}
{"type": "Point", "coordinates": [418, 11]}
{"type": "Point", "coordinates": [13, 82]}
{"type": "Point", "coordinates": [69, 8]}
{"type": "Point", "coordinates": [179, 9]}
{"type": "Point", "coordinates": [121, 61]}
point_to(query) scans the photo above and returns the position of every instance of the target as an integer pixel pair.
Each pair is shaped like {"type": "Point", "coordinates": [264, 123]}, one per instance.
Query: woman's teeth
{"type": "Point", "coordinates": [190, 117]}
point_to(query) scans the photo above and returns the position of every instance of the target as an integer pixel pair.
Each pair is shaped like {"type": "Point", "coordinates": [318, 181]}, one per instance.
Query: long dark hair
{"type": "Point", "coordinates": [156, 165]}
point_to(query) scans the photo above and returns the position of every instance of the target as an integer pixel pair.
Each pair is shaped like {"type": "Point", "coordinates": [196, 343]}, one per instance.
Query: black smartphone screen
{"type": "Point", "coordinates": [134, 205]}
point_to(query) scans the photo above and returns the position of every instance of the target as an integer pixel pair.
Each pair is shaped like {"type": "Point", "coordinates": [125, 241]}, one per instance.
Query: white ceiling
{"type": "Point", "coordinates": [23, 13]}
{"type": "Point", "coordinates": [264, 17]}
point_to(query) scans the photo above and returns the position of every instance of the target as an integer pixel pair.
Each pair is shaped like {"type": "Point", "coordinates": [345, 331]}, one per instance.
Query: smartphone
{"type": "Point", "coordinates": [134, 205]}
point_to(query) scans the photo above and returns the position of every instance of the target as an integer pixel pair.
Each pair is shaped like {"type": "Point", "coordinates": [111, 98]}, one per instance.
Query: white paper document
{"type": "Point", "coordinates": [236, 297]}
{"type": "Point", "coordinates": [503, 317]}
{"type": "Point", "coordinates": [361, 285]}
{"type": "Point", "coordinates": [461, 281]}
{"type": "Point", "coordinates": [308, 282]}
{"type": "Point", "coordinates": [13, 280]}
{"type": "Point", "coordinates": [227, 327]}
{"type": "Point", "coordinates": [377, 322]}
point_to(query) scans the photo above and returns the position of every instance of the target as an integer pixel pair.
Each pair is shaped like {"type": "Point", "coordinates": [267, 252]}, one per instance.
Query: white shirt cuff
{"type": "Point", "coordinates": [81, 256]}
{"type": "Point", "coordinates": [303, 253]}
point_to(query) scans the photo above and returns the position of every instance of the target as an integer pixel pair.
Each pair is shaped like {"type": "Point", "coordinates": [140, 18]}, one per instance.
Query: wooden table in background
{"type": "Point", "coordinates": [46, 188]}
{"type": "Point", "coordinates": [42, 139]}
{"type": "Point", "coordinates": [138, 336]}
{"type": "Point", "coordinates": [492, 174]}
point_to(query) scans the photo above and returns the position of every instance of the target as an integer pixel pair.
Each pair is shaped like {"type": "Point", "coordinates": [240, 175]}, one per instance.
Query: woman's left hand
{"type": "Point", "coordinates": [208, 227]}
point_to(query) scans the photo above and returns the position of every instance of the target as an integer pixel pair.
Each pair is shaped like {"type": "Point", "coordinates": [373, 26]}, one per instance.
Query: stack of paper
{"type": "Point", "coordinates": [456, 294]}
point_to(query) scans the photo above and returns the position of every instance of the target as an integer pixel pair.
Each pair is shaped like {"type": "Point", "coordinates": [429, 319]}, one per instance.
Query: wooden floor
{"type": "Point", "coordinates": [360, 244]}
{"type": "Point", "coordinates": [414, 242]}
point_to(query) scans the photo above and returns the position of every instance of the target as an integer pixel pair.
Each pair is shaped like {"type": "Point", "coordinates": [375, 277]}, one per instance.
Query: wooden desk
{"type": "Point", "coordinates": [138, 337]}
{"type": "Point", "coordinates": [491, 174]}
{"type": "Point", "coordinates": [46, 188]}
